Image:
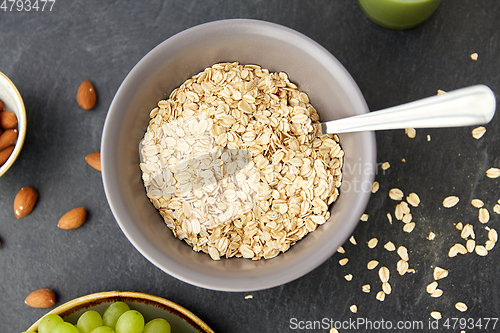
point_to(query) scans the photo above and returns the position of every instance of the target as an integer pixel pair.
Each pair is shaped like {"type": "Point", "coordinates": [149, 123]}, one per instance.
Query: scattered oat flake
{"type": "Point", "coordinates": [372, 264]}
{"type": "Point", "coordinates": [468, 231]}
{"type": "Point", "coordinates": [353, 308]}
{"type": "Point", "coordinates": [385, 166]}
{"type": "Point", "coordinates": [411, 270]}
{"type": "Point", "coordinates": [410, 132]}
{"type": "Point", "coordinates": [386, 288]}
{"type": "Point", "coordinates": [348, 277]}
{"type": "Point", "coordinates": [396, 194]}
{"type": "Point", "coordinates": [441, 92]}
{"type": "Point", "coordinates": [496, 208]}
{"type": "Point", "coordinates": [452, 252]}
{"type": "Point", "coordinates": [380, 296]}
{"type": "Point", "coordinates": [372, 243]}
{"type": "Point", "coordinates": [470, 245]}
{"type": "Point", "coordinates": [409, 227]}
{"type": "Point", "coordinates": [384, 274]}
{"type": "Point", "coordinates": [353, 240]}
{"type": "Point", "coordinates": [248, 296]}
{"type": "Point", "coordinates": [431, 287]}
{"type": "Point", "coordinates": [403, 160]}
{"type": "Point", "coordinates": [389, 217]}
{"type": "Point", "coordinates": [436, 315]}
{"type": "Point", "coordinates": [333, 330]}
{"type": "Point", "coordinates": [493, 173]}
{"type": "Point", "coordinates": [407, 218]}
{"type": "Point", "coordinates": [437, 293]}
{"type": "Point", "coordinates": [478, 132]}
{"type": "Point", "coordinates": [477, 203]}
{"type": "Point", "coordinates": [343, 261]}
{"type": "Point", "coordinates": [493, 235]}
{"type": "Point", "coordinates": [462, 307]}
{"type": "Point", "coordinates": [460, 248]}
{"type": "Point", "coordinates": [428, 137]}
{"type": "Point", "coordinates": [484, 215]}
{"type": "Point", "coordinates": [398, 212]}
{"type": "Point", "coordinates": [473, 56]}
{"type": "Point", "coordinates": [403, 253]}
{"type": "Point", "coordinates": [489, 245]}
{"type": "Point", "coordinates": [450, 201]}
{"type": "Point", "coordinates": [413, 199]}
{"type": "Point", "coordinates": [375, 186]}
{"type": "Point", "coordinates": [459, 226]}
{"type": "Point", "coordinates": [364, 217]}
{"type": "Point", "coordinates": [481, 250]}
{"type": "Point", "coordinates": [389, 246]}
{"type": "Point", "coordinates": [341, 250]}
{"type": "Point", "coordinates": [366, 288]}
{"type": "Point", "coordinates": [431, 236]}
{"type": "Point", "coordinates": [439, 273]}
{"type": "Point", "coordinates": [402, 267]}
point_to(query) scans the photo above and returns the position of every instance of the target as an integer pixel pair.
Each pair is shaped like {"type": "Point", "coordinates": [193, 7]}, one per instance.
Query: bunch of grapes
{"type": "Point", "coordinates": [118, 318]}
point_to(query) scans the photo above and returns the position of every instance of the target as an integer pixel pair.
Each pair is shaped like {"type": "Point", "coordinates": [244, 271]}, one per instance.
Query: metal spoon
{"type": "Point", "coordinates": [473, 105]}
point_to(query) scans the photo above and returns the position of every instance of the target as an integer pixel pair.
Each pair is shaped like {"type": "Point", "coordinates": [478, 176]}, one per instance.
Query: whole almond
{"type": "Point", "coordinates": [8, 138]}
{"type": "Point", "coordinates": [41, 298]}
{"type": "Point", "coordinates": [94, 160]}
{"type": "Point", "coordinates": [73, 219]}
{"type": "Point", "coordinates": [25, 201]}
{"type": "Point", "coordinates": [8, 120]}
{"type": "Point", "coordinates": [86, 96]}
{"type": "Point", "coordinates": [4, 154]}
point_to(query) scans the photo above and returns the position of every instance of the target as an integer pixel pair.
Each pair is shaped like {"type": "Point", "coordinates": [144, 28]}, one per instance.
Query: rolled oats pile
{"type": "Point", "coordinates": [234, 164]}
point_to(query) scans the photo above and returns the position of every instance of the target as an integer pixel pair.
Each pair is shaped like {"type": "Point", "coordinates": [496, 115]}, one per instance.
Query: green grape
{"type": "Point", "coordinates": [64, 328]}
{"type": "Point", "coordinates": [157, 325]}
{"type": "Point", "coordinates": [88, 321]}
{"type": "Point", "coordinates": [130, 322]}
{"type": "Point", "coordinates": [103, 329]}
{"type": "Point", "coordinates": [48, 323]}
{"type": "Point", "coordinates": [113, 312]}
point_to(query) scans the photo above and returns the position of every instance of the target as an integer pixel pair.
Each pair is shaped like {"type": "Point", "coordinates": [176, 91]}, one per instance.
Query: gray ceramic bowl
{"type": "Point", "coordinates": [332, 92]}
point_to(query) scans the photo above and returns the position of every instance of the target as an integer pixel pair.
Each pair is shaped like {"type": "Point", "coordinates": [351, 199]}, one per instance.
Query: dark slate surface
{"type": "Point", "coordinates": [48, 54]}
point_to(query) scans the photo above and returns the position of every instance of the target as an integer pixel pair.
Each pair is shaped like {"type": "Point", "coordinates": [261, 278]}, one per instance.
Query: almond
{"type": "Point", "coordinates": [5, 154]}
{"type": "Point", "coordinates": [2, 106]}
{"type": "Point", "coordinates": [86, 96]}
{"type": "Point", "coordinates": [8, 120]}
{"type": "Point", "coordinates": [73, 219]}
{"type": "Point", "coordinates": [94, 160]}
{"type": "Point", "coordinates": [25, 201]}
{"type": "Point", "coordinates": [41, 298]}
{"type": "Point", "coordinates": [8, 138]}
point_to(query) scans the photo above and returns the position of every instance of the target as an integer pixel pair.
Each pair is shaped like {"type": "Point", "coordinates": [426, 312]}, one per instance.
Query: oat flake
{"type": "Point", "coordinates": [462, 307]}
{"type": "Point", "coordinates": [436, 315]}
{"type": "Point", "coordinates": [439, 273]}
{"type": "Point", "coordinates": [477, 203]}
{"type": "Point", "coordinates": [478, 132]}
{"type": "Point", "coordinates": [493, 173]}
{"type": "Point", "coordinates": [389, 246]}
{"type": "Point", "coordinates": [450, 201]}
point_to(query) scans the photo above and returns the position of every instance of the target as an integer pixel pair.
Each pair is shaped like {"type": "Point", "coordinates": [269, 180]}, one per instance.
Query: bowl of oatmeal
{"type": "Point", "coordinates": [211, 160]}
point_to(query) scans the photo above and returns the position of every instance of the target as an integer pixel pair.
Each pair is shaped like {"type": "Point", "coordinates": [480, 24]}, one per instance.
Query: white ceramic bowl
{"type": "Point", "coordinates": [151, 307]}
{"type": "Point", "coordinates": [332, 92]}
{"type": "Point", "coordinates": [13, 103]}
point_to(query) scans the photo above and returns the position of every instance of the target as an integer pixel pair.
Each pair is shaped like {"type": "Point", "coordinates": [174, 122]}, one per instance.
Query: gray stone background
{"type": "Point", "coordinates": [47, 55]}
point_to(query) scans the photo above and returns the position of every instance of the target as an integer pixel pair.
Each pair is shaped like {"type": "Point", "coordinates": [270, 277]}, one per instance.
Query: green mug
{"type": "Point", "coordinates": [398, 14]}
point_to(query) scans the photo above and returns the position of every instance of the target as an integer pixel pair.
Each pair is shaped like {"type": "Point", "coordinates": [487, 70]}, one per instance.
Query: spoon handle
{"type": "Point", "coordinates": [473, 105]}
